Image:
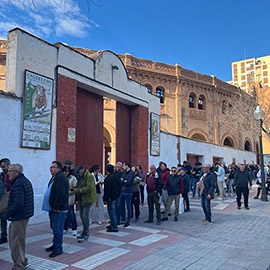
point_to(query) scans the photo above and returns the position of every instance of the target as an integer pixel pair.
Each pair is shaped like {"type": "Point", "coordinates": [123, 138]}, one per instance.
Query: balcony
{"type": "Point", "coordinates": [197, 114]}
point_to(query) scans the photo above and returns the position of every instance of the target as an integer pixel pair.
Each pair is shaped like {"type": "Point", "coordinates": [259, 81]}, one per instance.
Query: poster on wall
{"type": "Point", "coordinates": [37, 111]}
{"type": "Point", "coordinates": [155, 135]}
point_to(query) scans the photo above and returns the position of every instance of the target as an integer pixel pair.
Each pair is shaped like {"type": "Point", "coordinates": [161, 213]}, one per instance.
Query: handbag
{"type": "Point", "coordinates": [4, 202]}
{"type": "Point", "coordinates": [181, 206]}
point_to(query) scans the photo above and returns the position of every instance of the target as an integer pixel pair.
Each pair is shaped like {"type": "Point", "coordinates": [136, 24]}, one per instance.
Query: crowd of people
{"type": "Point", "coordinates": [122, 190]}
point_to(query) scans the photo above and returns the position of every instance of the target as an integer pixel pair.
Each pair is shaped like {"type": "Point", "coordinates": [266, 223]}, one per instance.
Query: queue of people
{"type": "Point", "coordinates": [121, 190]}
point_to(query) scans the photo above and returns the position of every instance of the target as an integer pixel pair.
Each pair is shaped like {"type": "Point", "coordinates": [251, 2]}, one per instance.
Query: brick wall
{"type": "Point", "coordinates": [139, 136]}
{"type": "Point", "coordinates": [66, 118]}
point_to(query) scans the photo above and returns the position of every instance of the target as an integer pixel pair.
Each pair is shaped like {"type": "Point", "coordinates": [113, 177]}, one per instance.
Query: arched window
{"type": "Point", "coordinates": [160, 93]}
{"type": "Point", "coordinates": [149, 87]}
{"type": "Point", "coordinates": [192, 100]}
{"type": "Point", "coordinates": [201, 102]}
{"type": "Point", "coordinates": [199, 137]}
{"type": "Point", "coordinates": [224, 106]}
{"type": "Point", "coordinates": [228, 142]}
{"type": "Point", "coordinates": [248, 146]}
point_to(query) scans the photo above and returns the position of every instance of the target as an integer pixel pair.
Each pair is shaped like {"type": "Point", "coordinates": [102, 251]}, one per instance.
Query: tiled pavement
{"type": "Point", "coordinates": [236, 240]}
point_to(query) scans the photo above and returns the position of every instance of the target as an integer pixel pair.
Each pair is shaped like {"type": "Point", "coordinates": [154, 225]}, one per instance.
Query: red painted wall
{"type": "Point", "coordinates": [122, 132]}
{"type": "Point", "coordinates": [139, 136]}
{"type": "Point", "coordinates": [65, 118]}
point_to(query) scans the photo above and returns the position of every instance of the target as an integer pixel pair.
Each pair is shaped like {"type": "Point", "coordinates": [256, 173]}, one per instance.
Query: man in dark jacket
{"type": "Point", "coordinates": [207, 188]}
{"type": "Point", "coordinates": [4, 163]}
{"type": "Point", "coordinates": [154, 185]}
{"type": "Point", "coordinates": [20, 209]}
{"type": "Point", "coordinates": [126, 194]}
{"type": "Point", "coordinates": [174, 187]}
{"type": "Point", "coordinates": [241, 180]}
{"type": "Point", "coordinates": [186, 184]}
{"type": "Point", "coordinates": [111, 194]}
{"type": "Point", "coordinates": [56, 203]}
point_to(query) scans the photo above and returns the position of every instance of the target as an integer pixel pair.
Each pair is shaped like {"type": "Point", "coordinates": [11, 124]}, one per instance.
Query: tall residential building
{"type": "Point", "coordinates": [244, 72]}
{"type": "Point", "coordinates": [253, 76]}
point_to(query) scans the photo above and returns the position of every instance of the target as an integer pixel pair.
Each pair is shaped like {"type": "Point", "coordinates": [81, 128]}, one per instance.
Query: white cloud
{"type": "Point", "coordinates": [62, 17]}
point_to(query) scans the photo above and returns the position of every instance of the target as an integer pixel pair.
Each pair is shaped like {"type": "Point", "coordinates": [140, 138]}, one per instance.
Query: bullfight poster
{"type": "Point", "coordinates": [155, 135]}
{"type": "Point", "coordinates": [37, 111]}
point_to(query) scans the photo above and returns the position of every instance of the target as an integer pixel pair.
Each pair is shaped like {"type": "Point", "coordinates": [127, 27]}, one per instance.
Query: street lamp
{"type": "Point", "coordinates": [259, 115]}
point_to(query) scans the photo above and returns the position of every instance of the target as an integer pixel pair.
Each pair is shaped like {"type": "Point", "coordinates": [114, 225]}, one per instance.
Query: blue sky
{"type": "Point", "coordinates": [204, 36]}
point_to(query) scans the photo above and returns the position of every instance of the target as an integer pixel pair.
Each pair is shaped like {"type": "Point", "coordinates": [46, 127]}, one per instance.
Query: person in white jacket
{"type": "Point", "coordinates": [259, 181]}
{"type": "Point", "coordinates": [71, 217]}
{"type": "Point", "coordinates": [220, 180]}
{"type": "Point", "coordinates": [97, 213]}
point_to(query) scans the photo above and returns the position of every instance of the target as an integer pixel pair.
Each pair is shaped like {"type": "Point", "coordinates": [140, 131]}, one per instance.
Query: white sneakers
{"type": "Point", "coordinates": [74, 232]}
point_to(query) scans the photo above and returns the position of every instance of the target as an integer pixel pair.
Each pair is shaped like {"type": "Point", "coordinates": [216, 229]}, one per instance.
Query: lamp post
{"type": "Point", "coordinates": [259, 115]}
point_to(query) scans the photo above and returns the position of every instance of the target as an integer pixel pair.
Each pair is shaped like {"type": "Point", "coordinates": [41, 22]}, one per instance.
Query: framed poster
{"type": "Point", "coordinates": [37, 111]}
{"type": "Point", "coordinates": [155, 135]}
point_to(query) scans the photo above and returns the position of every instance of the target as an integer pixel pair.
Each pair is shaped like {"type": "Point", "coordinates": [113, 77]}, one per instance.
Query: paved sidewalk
{"type": "Point", "coordinates": [237, 239]}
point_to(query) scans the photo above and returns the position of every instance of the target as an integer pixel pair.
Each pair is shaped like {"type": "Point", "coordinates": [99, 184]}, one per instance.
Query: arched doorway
{"type": "Point", "coordinates": [107, 151]}
{"type": "Point", "coordinates": [248, 146]}
{"type": "Point", "coordinates": [228, 142]}
{"type": "Point", "coordinates": [199, 137]}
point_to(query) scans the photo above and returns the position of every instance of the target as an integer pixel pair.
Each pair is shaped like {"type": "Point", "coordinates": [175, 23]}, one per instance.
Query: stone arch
{"type": "Point", "coordinates": [160, 93]}
{"type": "Point", "coordinates": [202, 102]}
{"type": "Point", "coordinates": [247, 144]}
{"type": "Point", "coordinates": [149, 86]}
{"type": "Point", "coordinates": [109, 134]}
{"type": "Point", "coordinates": [228, 140]}
{"type": "Point", "coordinates": [198, 134]}
{"type": "Point", "coordinates": [192, 100]}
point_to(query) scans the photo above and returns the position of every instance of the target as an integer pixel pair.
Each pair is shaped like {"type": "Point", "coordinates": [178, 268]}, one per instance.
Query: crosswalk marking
{"type": "Point", "coordinates": [100, 258]}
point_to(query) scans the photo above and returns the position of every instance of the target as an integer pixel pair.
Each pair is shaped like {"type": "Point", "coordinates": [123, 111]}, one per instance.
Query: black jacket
{"type": "Point", "coordinates": [128, 180]}
{"type": "Point", "coordinates": [186, 182]}
{"type": "Point", "coordinates": [21, 199]}
{"type": "Point", "coordinates": [175, 185]}
{"type": "Point", "coordinates": [112, 188]}
{"type": "Point", "coordinates": [209, 183]}
{"type": "Point", "coordinates": [59, 192]}
{"type": "Point", "coordinates": [242, 178]}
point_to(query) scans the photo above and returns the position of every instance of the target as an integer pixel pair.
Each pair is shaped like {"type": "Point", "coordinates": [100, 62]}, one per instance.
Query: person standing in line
{"type": "Point", "coordinates": [197, 173]}
{"type": "Point", "coordinates": [135, 202]}
{"type": "Point", "coordinates": [186, 184]}
{"type": "Point", "coordinates": [20, 210]}
{"type": "Point", "coordinates": [4, 163]}
{"type": "Point", "coordinates": [259, 181]}
{"type": "Point", "coordinates": [165, 172]}
{"type": "Point", "coordinates": [56, 203]}
{"type": "Point", "coordinates": [231, 173]}
{"type": "Point", "coordinates": [175, 188]}
{"type": "Point", "coordinates": [87, 197]}
{"type": "Point", "coordinates": [154, 185]}
{"type": "Point", "coordinates": [111, 194]}
{"type": "Point", "coordinates": [220, 180]}
{"type": "Point", "coordinates": [118, 172]}
{"type": "Point", "coordinates": [241, 180]}
{"type": "Point", "coordinates": [71, 217]}
{"type": "Point", "coordinates": [126, 194]}
{"type": "Point", "coordinates": [142, 184]}
{"type": "Point", "coordinates": [207, 189]}
{"type": "Point", "coordinates": [97, 213]}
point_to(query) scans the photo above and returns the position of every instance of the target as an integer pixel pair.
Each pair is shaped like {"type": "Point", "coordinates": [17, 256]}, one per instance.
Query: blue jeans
{"type": "Point", "coordinates": [194, 182]}
{"type": "Point", "coordinates": [70, 219]}
{"type": "Point", "coordinates": [57, 220]}
{"type": "Point", "coordinates": [124, 198]}
{"type": "Point", "coordinates": [111, 207]}
{"type": "Point", "coordinates": [206, 207]}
